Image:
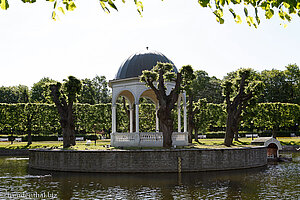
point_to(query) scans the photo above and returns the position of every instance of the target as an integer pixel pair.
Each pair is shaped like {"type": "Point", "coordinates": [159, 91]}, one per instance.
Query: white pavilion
{"type": "Point", "coordinates": [127, 84]}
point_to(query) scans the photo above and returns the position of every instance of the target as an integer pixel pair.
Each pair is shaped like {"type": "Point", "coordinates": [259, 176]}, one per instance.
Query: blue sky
{"type": "Point", "coordinates": [89, 42]}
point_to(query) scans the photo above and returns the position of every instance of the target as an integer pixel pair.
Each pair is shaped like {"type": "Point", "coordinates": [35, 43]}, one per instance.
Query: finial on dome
{"type": "Point", "coordinates": [147, 48]}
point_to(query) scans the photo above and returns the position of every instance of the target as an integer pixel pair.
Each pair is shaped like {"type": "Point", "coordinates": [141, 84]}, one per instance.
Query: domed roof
{"type": "Point", "coordinates": [138, 62]}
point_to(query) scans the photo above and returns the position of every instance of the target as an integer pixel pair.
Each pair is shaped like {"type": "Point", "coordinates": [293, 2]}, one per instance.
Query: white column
{"type": "Point", "coordinates": [131, 119]}
{"type": "Point", "coordinates": [137, 118]}
{"type": "Point", "coordinates": [184, 118]}
{"type": "Point", "coordinates": [114, 121]}
{"type": "Point", "coordinates": [179, 119]}
{"type": "Point", "coordinates": [156, 121]}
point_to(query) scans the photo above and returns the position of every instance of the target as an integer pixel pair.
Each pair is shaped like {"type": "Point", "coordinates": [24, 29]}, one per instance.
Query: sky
{"type": "Point", "coordinates": [88, 42]}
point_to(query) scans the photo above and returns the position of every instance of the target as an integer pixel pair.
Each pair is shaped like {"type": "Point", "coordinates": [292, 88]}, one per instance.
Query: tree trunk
{"type": "Point", "coordinates": [29, 139]}
{"type": "Point", "coordinates": [236, 136]}
{"type": "Point", "coordinates": [229, 129]}
{"type": "Point", "coordinates": [191, 124]}
{"type": "Point", "coordinates": [190, 133]}
{"type": "Point", "coordinates": [71, 125]}
{"type": "Point", "coordinates": [196, 134]}
{"type": "Point", "coordinates": [68, 133]}
{"type": "Point", "coordinates": [232, 125]}
{"type": "Point", "coordinates": [166, 126]}
{"type": "Point", "coordinates": [274, 132]}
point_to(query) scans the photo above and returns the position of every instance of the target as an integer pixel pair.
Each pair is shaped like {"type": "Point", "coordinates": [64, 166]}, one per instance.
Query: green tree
{"type": "Point", "coordinates": [207, 87]}
{"type": "Point", "coordinates": [276, 87]}
{"type": "Point", "coordinates": [102, 91]}
{"type": "Point", "coordinates": [88, 92]}
{"type": "Point", "coordinates": [64, 95]}
{"type": "Point", "coordinates": [217, 116]}
{"type": "Point", "coordinates": [160, 75]}
{"type": "Point", "coordinates": [23, 94]}
{"type": "Point", "coordinates": [94, 91]}
{"type": "Point", "coordinates": [39, 92]}
{"type": "Point", "coordinates": [240, 91]}
{"type": "Point", "coordinates": [7, 95]}
{"type": "Point", "coordinates": [14, 94]}
{"type": "Point", "coordinates": [292, 74]}
{"type": "Point", "coordinates": [275, 116]}
{"type": "Point", "coordinates": [281, 86]}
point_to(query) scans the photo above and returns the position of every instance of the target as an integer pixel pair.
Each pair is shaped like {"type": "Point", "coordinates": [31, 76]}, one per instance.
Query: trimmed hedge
{"type": "Point", "coordinates": [43, 119]}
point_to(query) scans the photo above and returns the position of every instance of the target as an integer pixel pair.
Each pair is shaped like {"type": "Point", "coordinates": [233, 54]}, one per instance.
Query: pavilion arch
{"type": "Point", "coordinates": [127, 94]}
{"type": "Point", "coordinates": [149, 94]}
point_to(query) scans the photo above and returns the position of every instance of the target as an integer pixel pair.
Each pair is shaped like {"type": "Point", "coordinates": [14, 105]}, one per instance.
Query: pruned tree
{"type": "Point", "coordinates": [64, 96]}
{"type": "Point", "coordinates": [157, 79]}
{"type": "Point", "coordinates": [240, 91]}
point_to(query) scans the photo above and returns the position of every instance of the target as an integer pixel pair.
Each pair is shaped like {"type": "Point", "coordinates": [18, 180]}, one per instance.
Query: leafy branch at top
{"type": "Point", "coordinates": [69, 5]}
{"type": "Point", "coordinates": [284, 8]}
{"type": "Point", "coordinates": [251, 8]}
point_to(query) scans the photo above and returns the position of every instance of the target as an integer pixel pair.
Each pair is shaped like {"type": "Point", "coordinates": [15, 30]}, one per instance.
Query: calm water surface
{"type": "Point", "coordinates": [275, 181]}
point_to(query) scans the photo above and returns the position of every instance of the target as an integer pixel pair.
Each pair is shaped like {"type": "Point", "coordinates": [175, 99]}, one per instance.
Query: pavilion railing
{"type": "Point", "coordinates": [149, 139]}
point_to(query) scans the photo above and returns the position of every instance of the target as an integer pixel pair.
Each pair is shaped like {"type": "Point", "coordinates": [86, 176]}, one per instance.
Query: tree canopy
{"type": "Point", "coordinates": [281, 86]}
{"type": "Point", "coordinates": [252, 9]}
{"type": "Point", "coordinates": [94, 91]}
{"type": "Point", "coordinates": [14, 94]}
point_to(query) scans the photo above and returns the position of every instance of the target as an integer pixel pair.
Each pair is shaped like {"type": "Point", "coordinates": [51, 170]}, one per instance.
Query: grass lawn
{"type": "Point", "coordinates": [101, 144]}
{"type": "Point", "coordinates": [289, 140]}
{"type": "Point", "coordinates": [80, 145]}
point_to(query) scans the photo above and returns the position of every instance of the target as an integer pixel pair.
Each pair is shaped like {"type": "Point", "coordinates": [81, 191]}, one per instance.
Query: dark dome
{"type": "Point", "coordinates": [136, 63]}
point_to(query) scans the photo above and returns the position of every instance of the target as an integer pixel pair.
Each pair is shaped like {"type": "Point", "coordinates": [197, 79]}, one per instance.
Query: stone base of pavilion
{"type": "Point", "coordinates": [141, 139]}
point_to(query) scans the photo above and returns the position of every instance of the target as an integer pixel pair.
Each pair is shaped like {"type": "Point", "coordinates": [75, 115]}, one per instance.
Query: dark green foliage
{"type": "Point", "coordinates": [14, 94]}
{"type": "Point", "coordinates": [94, 91]}
{"type": "Point", "coordinates": [21, 118]}
{"type": "Point", "coordinates": [274, 116]}
{"type": "Point", "coordinates": [39, 92]}
{"type": "Point", "coordinates": [281, 86]}
{"type": "Point", "coordinates": [206, 87]}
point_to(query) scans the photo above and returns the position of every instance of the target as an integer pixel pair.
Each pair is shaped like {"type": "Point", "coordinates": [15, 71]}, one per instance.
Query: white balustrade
{"type": "Point", "coordinates": [152, 139]}
{"type": "Point", "coordinates": [180, 139]}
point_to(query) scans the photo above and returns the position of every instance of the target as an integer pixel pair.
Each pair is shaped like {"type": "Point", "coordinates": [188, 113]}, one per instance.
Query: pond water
{"type": "Point", "coordinates": [274, 181]}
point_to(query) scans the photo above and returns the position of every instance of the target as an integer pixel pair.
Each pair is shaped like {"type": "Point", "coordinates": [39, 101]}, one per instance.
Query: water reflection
{"type": "Point", "coordinates": [278, 181]}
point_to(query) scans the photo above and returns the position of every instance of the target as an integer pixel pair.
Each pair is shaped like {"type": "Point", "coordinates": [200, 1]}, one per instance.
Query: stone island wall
{"type": "Point", "coordinates": [132, 161]}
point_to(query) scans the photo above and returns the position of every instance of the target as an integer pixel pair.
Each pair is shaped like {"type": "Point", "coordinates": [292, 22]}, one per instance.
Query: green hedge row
{"type": "Point", "coordinates": [43, 119]}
